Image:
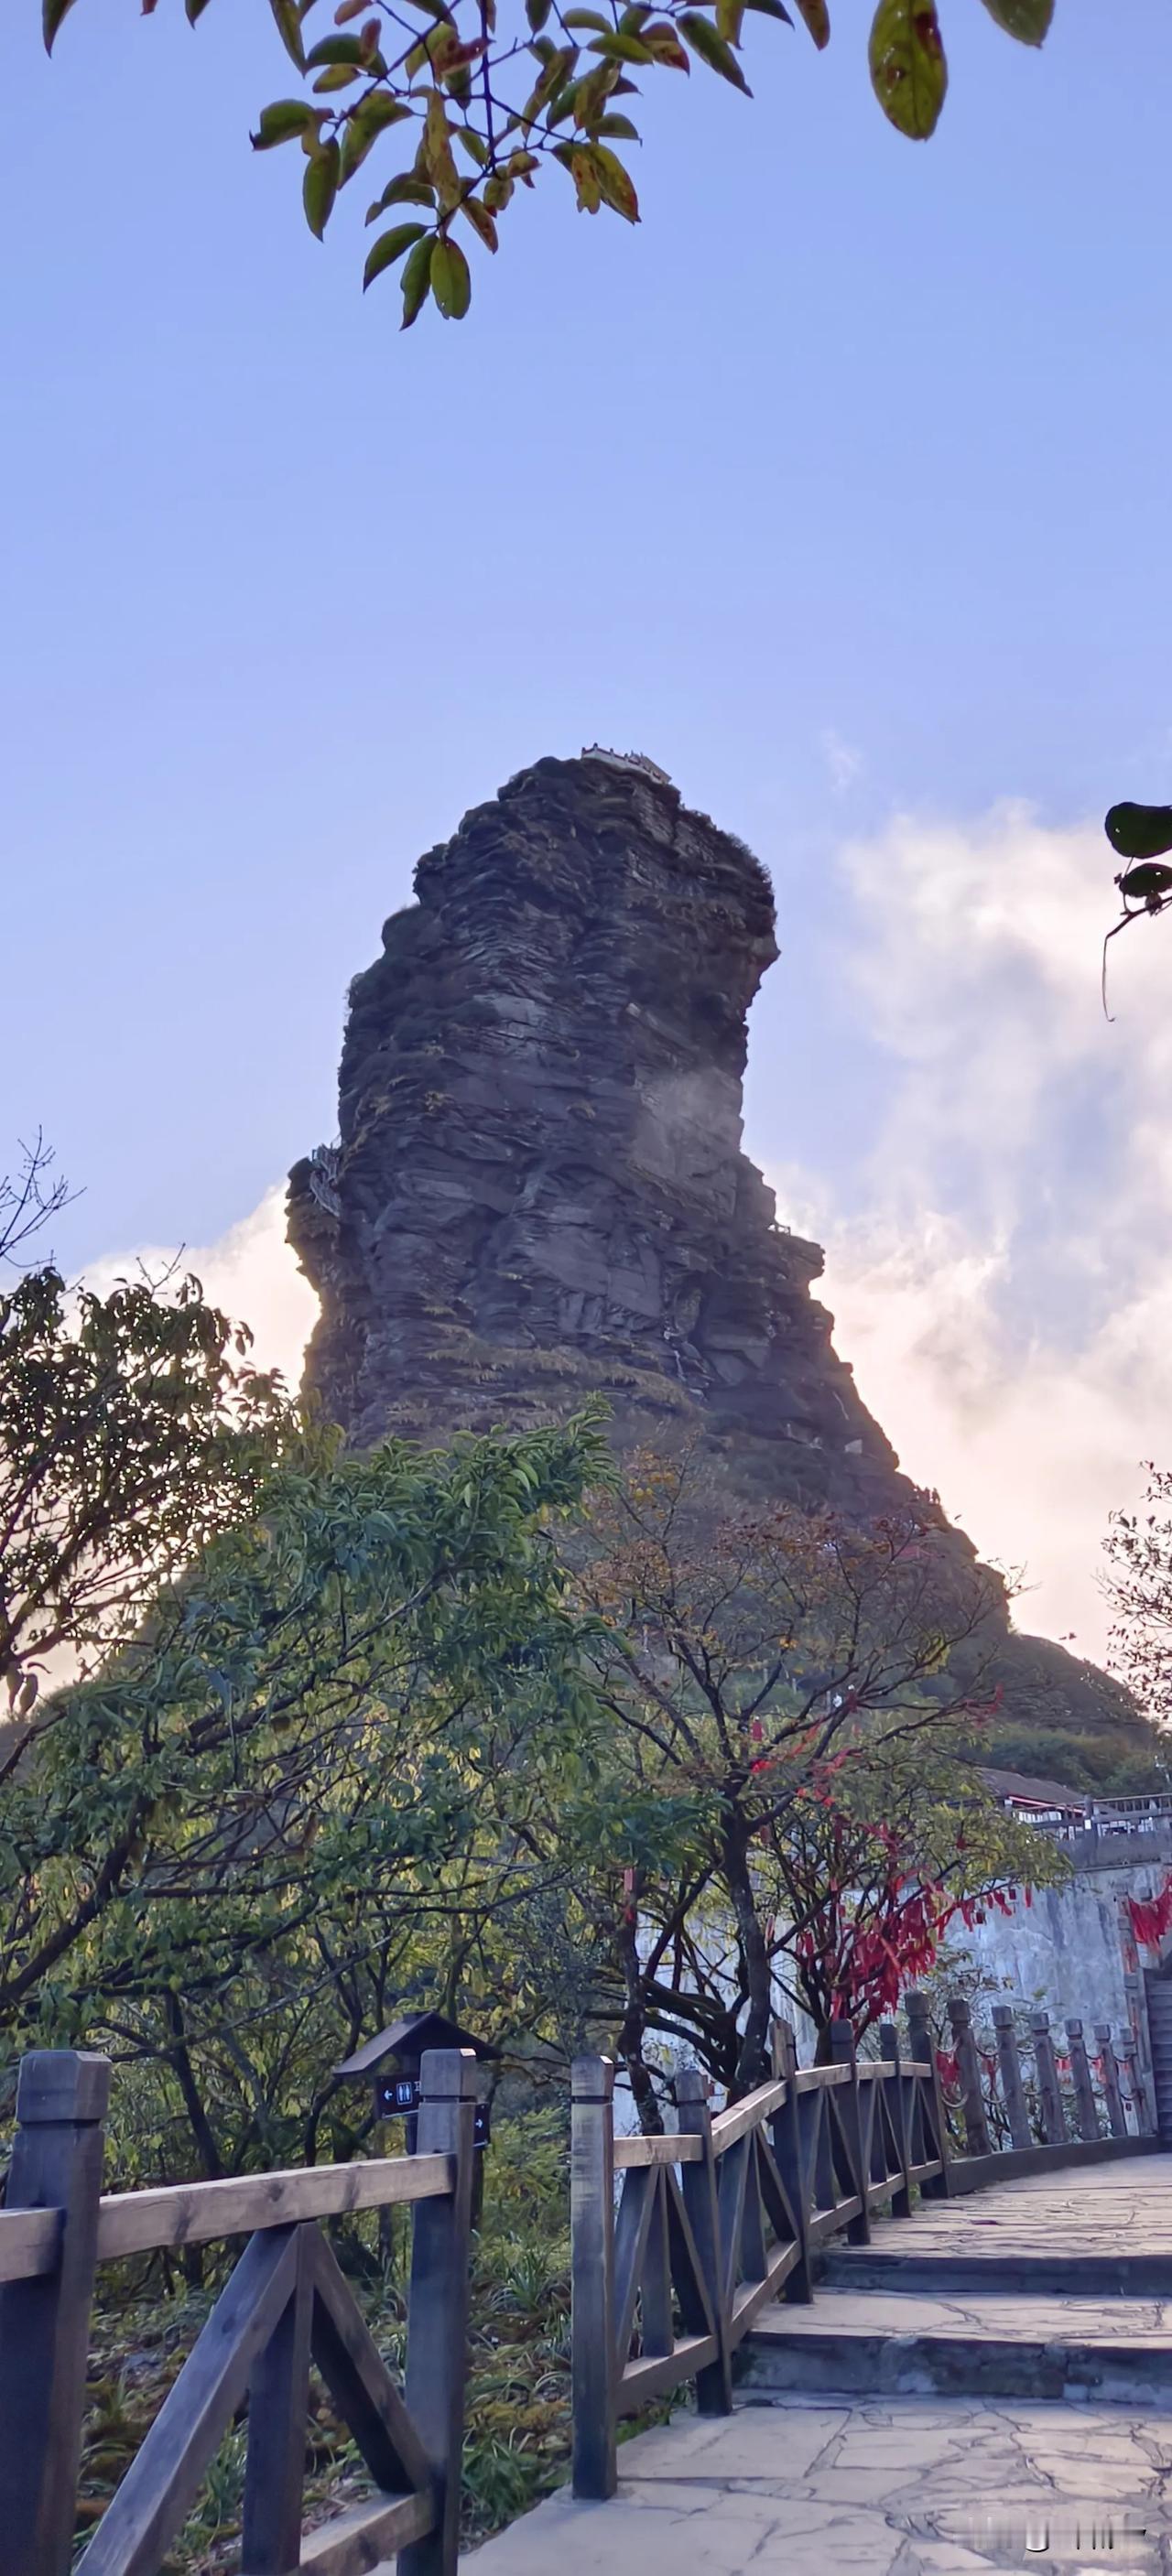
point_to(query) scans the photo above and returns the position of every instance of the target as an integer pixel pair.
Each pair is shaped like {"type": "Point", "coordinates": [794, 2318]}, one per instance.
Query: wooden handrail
{"type": "Point", "coordinates": [756, 2107]}
{"type": "Point", "coordinates": [637, 2154]}
{"type": "Point", "coordinates": [285, 2305]}
{"type": "Point", "coordinates": [195, 2213]}
{"type": "Point", "coordinates": [29, 2243]}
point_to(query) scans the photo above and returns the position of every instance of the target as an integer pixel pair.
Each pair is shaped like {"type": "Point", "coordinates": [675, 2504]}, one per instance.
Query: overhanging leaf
{"type": "Point", "coordinates": [451, 280]}
{"type": "Point", "coordinates": [417, 280]}
{"type": "Point", "coordinates": [388, 248]}
{"type": "Point", "coordinates": [909, 74]}
{"type": "Point", "coordinates": [336, 49]}
{"type": "Point", "coordinates": [815, 15]}
{"type": "Point", "coordinates": [407, 189]}
{"type": "Point", "coordinates": [52, 13]}
{"type": "Point", "coordinates": [287, 18]}
{"type": "Point", "coordinates": [370, 119]}
{"type": "Point", "coordinates": [1029, 20]}
{"type": "Point", "coordinates": [320, 187]}
{"type": "Point", "coordinates": [712, 49]}
{"type": "Point", "coordinates": [280, 122]}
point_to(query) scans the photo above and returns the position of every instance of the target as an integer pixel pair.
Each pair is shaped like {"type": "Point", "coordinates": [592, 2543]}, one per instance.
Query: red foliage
{"type": "Point", "coordinates": [1150, 1921]}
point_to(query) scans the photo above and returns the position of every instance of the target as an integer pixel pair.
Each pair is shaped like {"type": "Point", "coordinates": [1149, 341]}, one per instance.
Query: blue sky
{"type": "Point", "coordinates": [839, 486]}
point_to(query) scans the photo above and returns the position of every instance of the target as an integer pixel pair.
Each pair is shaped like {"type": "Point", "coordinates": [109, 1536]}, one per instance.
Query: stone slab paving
{"type": "Point", "coordinates": [1107, 2209]}
{"type": "Point", "coordinates": [971, 2316]}
{"type": "Point", "coordinates": [937, 2487]}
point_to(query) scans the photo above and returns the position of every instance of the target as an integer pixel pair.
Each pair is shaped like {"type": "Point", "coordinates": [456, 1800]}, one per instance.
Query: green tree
{"type": "Point", "coordinates": [474, 100]}
{"type": "Point", "coordinates": [132, 1431]}
{"type": "Point", "coordinates": [749, 1664]}
{"type": "Point", "coordinates": [307, 1770]}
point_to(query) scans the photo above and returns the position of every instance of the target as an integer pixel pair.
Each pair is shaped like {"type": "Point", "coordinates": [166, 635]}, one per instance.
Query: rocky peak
{"type": "Point", "coordinates": [539, 1192]}
{"type": "Point", "coordinates": [539, 1187]}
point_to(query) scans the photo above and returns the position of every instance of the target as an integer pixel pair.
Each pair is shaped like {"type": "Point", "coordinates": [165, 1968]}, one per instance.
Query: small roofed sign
{"type": "Point", "coordinates": [392, 2062]}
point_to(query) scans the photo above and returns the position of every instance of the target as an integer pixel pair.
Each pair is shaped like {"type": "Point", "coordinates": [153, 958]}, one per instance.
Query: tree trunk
{"type": "Point", "coordinates": [753, 2057]}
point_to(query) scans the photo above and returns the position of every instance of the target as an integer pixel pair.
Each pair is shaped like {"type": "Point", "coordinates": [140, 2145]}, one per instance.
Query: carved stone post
{"type": "Point", "coordinates": [1084, 2091]}
{"type": "Point", "coordinates": [972, 2100]}
{"type": "Point", "coordinates": [1114, 2100]}
{"type": "Point", "coordinates": [1009, 2073]}
{"type": "Point", "coordinates": [1049, 2096]}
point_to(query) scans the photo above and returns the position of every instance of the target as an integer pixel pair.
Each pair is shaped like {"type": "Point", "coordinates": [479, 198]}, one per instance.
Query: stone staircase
{"type": "Point", "coordinates": [990, 2303]}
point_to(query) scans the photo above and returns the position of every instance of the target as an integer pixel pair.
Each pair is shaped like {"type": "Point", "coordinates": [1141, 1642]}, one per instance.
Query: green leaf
{"type": "Point", "coordinates": [287, 17]}
{"type": "Point", "coordinates": [195, 10]}
{"type": "Point", "coordinates": [417, 280]}
{"type": "Point", "coordinates": [1029, 20]}
{"type": "Point", "coordinates": [339, 76]}
{"type": "Point", "coordinates": [712, 49]}
{"type": "Point", "coordinates": [909, 74]}
{"type": "Point", "coordinates": [663, 43]}
{"type": "Point", "coordinates": [280, 122]}
{"type": "Point", "coordinates": [370, 118]}
{"type": "Point", "coordinates": [336, 49]}
{"type": "Point", "coordinates": [320, 188]}
{"type": "Point", "coordinates": [622, 49]}
{"type": "Point", "coordinates": [388, 248]}
{"type": "Point", "coordinates": [481, 221]}
{"type": "Point", "coordinates": [618, 129]}
{"type": "Point", "coordinates": [405, 190]}
{"type": "Point", "coordinates": [451, 280]}
{"type": "Point", "coordinates": [537, 11]}
{"type": "Point", "coordinates": [473, 143]}
{"type": "Point", "coordinates": [52, 13]}
{"type": "Point", "coordinates": [814, 14]}
{"type": "Point", "coordinates": [618, 190]}
{"type": "Point", "coordinates": [590, 18]}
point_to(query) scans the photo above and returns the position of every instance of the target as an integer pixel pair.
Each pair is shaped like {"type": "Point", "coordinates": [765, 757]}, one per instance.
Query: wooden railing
{"type": "Point", "coordinates": [678, 2241]}
{"type": "Point", "coordinates": [286, 2304]}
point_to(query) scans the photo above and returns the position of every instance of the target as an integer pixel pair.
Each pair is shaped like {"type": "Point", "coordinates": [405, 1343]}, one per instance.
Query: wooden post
{"type": "Point", "coordinates": [1111, 2093]}
{"type": "Point", "coordinates": [901, 2198]}
{"type": "Point", "coordinates": [1131, 2087]}
{"type": "Point", "coordinates": [1009, 2072]}
{"type": "Point", "coordinates": [922, 2053]}
{"type": "Point", "coordinates": [972, 2099]}
{"type": "Point", "coordinates": [437, 2317]}
{"type": "Point", "coordinates": [44, 2324]}
{"type": "Point", "coordinates": [592, 2261]}
{"type": "Point", "coordinates": [278, 2417]}
{"type": "Point", "coordinates": [1084, 2094]}
{"type": "Point", "coordinates": [845, 2099]}
{"type": "Point", "coordinates": [1049, 2095]}
{"type": "Point", "coordinates": [698, 2183]}
{"type": "Point", "coordinates": [789, 2156]}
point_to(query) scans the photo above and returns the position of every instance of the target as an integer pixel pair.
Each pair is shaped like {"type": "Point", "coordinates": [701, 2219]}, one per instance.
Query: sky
{"type": "Point", "coordinates": [839, 486]}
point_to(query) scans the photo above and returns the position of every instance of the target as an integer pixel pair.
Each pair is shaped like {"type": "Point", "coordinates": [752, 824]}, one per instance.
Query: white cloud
{"type": "Point", "coordinates": [250, 1273]}
{"type": "Point", "coordinates": [1005, 1289]}
{"type": "Point", "coordinates": [842, 759]}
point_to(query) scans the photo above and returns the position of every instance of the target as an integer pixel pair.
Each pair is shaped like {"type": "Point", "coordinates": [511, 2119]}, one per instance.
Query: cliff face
{"type": "Point", "coordinates": [539, 1189]}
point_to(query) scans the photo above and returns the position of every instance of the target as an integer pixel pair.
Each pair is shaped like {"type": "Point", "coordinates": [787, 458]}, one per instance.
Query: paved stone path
{"type": "Point", "coordinates": [904, 2489]}
{"type": "Point", "coordinates": [1001, 2297]}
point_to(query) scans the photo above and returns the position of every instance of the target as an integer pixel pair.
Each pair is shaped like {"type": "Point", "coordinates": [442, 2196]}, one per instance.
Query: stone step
{"type": "Point", "coordinates": [974, 2344]}
{"type": "Point", "coordinates": [1044, 2275]}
